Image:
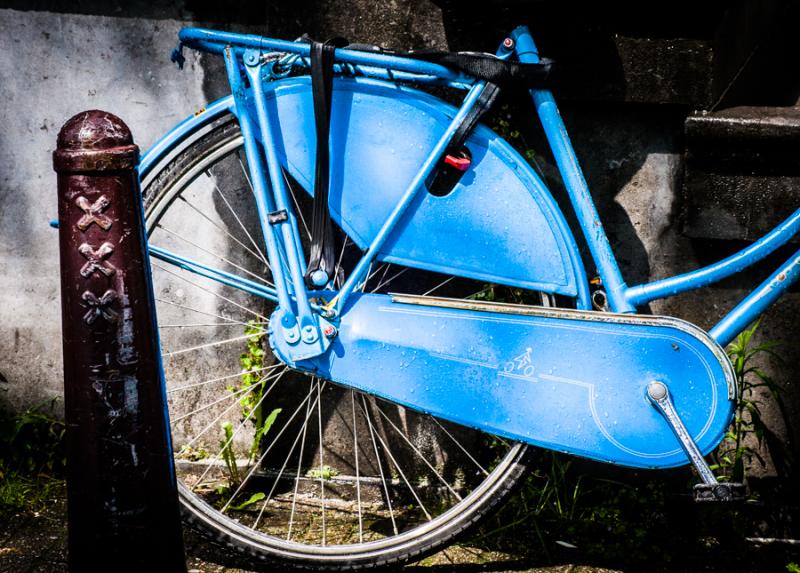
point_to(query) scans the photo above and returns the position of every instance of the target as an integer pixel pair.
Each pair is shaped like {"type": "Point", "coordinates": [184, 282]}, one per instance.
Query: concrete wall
{"type": "Point", "coordinates": [56, 64]}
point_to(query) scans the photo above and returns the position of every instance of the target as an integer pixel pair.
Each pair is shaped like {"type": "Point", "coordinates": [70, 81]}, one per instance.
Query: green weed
{"type": "Point", "coordinates": [229, 455]}
{"type": "Point", "coordinates": [253, 383]}
{"type": "Point", "coordinates": [252, 387]}
{"type": "Point", "coordinates": [32, 457]}
{"type": "Point", "coordinates": [322, 472]}
{"type": "Point", "coordinates": [737, 452]}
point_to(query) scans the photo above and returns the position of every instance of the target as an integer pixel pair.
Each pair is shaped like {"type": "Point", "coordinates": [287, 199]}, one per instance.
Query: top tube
{"type": "Point", "coordinates": [215, 42]}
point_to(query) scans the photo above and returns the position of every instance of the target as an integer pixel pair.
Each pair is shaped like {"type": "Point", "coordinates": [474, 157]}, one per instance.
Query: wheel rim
{"type": "Point", "coordinates": [276, 496]}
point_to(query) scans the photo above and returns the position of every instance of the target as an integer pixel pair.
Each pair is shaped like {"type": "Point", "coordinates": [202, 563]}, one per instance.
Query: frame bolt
{"type": "Point", "coordinates": [329, 331]}
{"type": "Point", "coordinates": [319, 278]}
{"type": "Point", "coordinates": [309, 334]}
{"type": "Point", "coordinates": [251, 58]}
{"type": "Point", "coordinates": [508, 43]}
{"type": "Point", "coordinates": [291, 335]}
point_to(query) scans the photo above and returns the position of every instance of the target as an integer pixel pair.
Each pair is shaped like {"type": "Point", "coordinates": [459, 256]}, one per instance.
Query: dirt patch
{"type": "Point", "coordinates": [35, 542]}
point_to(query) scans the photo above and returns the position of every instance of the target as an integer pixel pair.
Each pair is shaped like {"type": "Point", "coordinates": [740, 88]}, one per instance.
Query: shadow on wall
{"type": "Point", "coordinates": [611, 155]}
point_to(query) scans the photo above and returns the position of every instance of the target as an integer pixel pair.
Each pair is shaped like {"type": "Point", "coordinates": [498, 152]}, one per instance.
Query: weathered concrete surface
{"type": "Point", "coordinates": [64, 63]}
{"type": "Point", "coordinates": [54, 66]}
{"type": "Point", "coordinates": [742, 176]}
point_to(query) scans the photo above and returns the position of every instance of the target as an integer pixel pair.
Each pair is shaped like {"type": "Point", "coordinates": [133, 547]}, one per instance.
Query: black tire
{"type": "Point", "coordinates": [184, 203]}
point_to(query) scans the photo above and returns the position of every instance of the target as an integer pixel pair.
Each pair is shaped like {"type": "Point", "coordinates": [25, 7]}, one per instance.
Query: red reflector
{"type": "Point", "coordinates": [460, 163]}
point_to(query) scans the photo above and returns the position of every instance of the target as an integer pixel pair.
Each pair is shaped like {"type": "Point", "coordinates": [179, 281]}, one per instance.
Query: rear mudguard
{"type": "Point", "coordinates": [571, 381]}
{"type": "Point", "coordinates": [499, 224]}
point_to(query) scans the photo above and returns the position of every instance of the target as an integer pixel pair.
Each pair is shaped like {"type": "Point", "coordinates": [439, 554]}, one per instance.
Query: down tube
{"type": "Point", "coordinates": [574, 181]}
{"type": "Point", "coordinates": [757, 301]}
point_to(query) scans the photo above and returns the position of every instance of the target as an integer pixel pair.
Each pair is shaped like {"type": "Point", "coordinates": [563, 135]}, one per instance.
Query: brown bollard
{"type": "Point", "coordinates": [121, 490]}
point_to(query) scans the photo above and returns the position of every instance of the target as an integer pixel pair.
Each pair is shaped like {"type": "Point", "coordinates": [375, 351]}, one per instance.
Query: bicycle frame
{"type": "Point", "coordinates": [245, 63]}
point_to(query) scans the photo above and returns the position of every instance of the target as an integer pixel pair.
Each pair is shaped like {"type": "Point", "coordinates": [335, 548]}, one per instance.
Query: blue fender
{"type": "Point", "coordinates": [500, 224]}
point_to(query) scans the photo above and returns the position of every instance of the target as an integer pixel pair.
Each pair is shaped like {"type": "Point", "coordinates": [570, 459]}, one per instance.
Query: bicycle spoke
{"type": "Point", "coordinates": [402, 475]}
{"type": "Point", "coordinates": [419, 453]}
{"type": "Point", "coordinates": [283, 467]}
{"type": "Point", "coordinates": [209, 405]}
{"type": "Point", "coordinates": [437, 287]}
{"type": "Point", "coordinates": [220, 378]}
{"type": "Point", "coordinates": [198, 311]}
{"type": "Point", "coordinates": [321, 464]}
{"type": "Point", "coordinates": [299, 466]}
{"type": "Point", "coordinates": [257, 255]}
{"type": "Point", "coordinates": [338, 266]}
{"type": "Point", "coordinates": [217, 295]}
{"type": "Point", "coordinates": [209, 345]}
{"type": "Point", "coordinates": [371, 273]}
{"type": "Point", "coordinates": [462, 448]}
{"type": "Point", "coordinates": [380, 464]}
{"type": "Point", "coordinates": [244, 171]}
{"type": "Point", "coordinates": [201, 324]}
{"type": "Point", "coordinates": [358, 475]}
{"type": "Point", "coordinates": [261, 254]}
{"type": "Point", "coordinates": [215, 255]}
{"type": "Point", "coordinates": [382, 284]}
{"type": "Point", "coordinates": [215, 402]}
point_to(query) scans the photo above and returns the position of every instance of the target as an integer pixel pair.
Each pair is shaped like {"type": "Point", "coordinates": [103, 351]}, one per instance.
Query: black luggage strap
{"type": "Point", "coordinates": [480, 65]}
{"type": "Point", "coordinates": [322, 258]}
{"type": "Point", "coordinates": [491, 68]}
{"type": "Point", "coordinates": [482, 105]}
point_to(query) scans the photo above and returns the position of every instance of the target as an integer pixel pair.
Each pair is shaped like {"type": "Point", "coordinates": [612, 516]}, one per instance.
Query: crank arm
{"type": "Point", "coordinates": [710, 489]}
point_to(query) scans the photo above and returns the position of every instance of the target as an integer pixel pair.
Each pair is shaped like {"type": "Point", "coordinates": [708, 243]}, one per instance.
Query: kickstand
{"type": "Point", "coordinates": [710, 489]}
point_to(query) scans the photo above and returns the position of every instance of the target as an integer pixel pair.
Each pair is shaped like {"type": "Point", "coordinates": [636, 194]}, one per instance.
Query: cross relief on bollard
{"type": "Point", "coordinates": [99, 307]}
{"type": "Point", "coordinates": [93, 213]}
{"type": "Point", "coordinates": [96, 259]}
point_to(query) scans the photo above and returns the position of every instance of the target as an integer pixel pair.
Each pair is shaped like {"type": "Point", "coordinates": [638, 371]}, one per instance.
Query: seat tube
{"type": "Point", "coordinates": [574, 181]}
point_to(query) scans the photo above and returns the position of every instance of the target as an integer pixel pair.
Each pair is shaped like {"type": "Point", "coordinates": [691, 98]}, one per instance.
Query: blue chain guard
{"type": "Point", "coordinates": [567, 380]}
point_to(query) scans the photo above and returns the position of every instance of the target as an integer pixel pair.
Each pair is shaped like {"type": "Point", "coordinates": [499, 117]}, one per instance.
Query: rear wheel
{"type": "Point", "coordinates": [277, 465]}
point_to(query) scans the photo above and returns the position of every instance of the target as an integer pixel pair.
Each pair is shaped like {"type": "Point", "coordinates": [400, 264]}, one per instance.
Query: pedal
{"type": "Point", "coordinates": [711, 489]}
{"type": "Point", "coordinates": [721, 491]}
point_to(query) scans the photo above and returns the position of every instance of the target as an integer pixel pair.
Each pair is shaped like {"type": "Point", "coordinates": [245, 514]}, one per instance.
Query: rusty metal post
{"type": "Point", "coordinates": [121, 489]}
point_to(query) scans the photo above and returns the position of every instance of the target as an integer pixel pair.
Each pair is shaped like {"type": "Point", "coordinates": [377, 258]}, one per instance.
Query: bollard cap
{"type": "Point", "coordinates": [94, 140]}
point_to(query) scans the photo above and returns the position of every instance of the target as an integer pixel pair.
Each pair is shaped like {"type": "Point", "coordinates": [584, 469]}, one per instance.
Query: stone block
{"type": "Point", "coordinates": [741, 174]}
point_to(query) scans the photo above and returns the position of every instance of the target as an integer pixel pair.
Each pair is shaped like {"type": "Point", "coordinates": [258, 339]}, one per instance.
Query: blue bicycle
{"type": "Point", "coordinates": [364, 405]}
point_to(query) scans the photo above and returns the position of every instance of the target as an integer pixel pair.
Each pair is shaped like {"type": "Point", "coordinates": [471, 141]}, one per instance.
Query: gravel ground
{"type": "Point", "coordinates": [36, 543]}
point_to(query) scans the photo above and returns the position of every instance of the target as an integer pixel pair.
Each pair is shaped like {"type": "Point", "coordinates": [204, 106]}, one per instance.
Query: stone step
{"type": "Point", "coordinates": [742, 171]}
